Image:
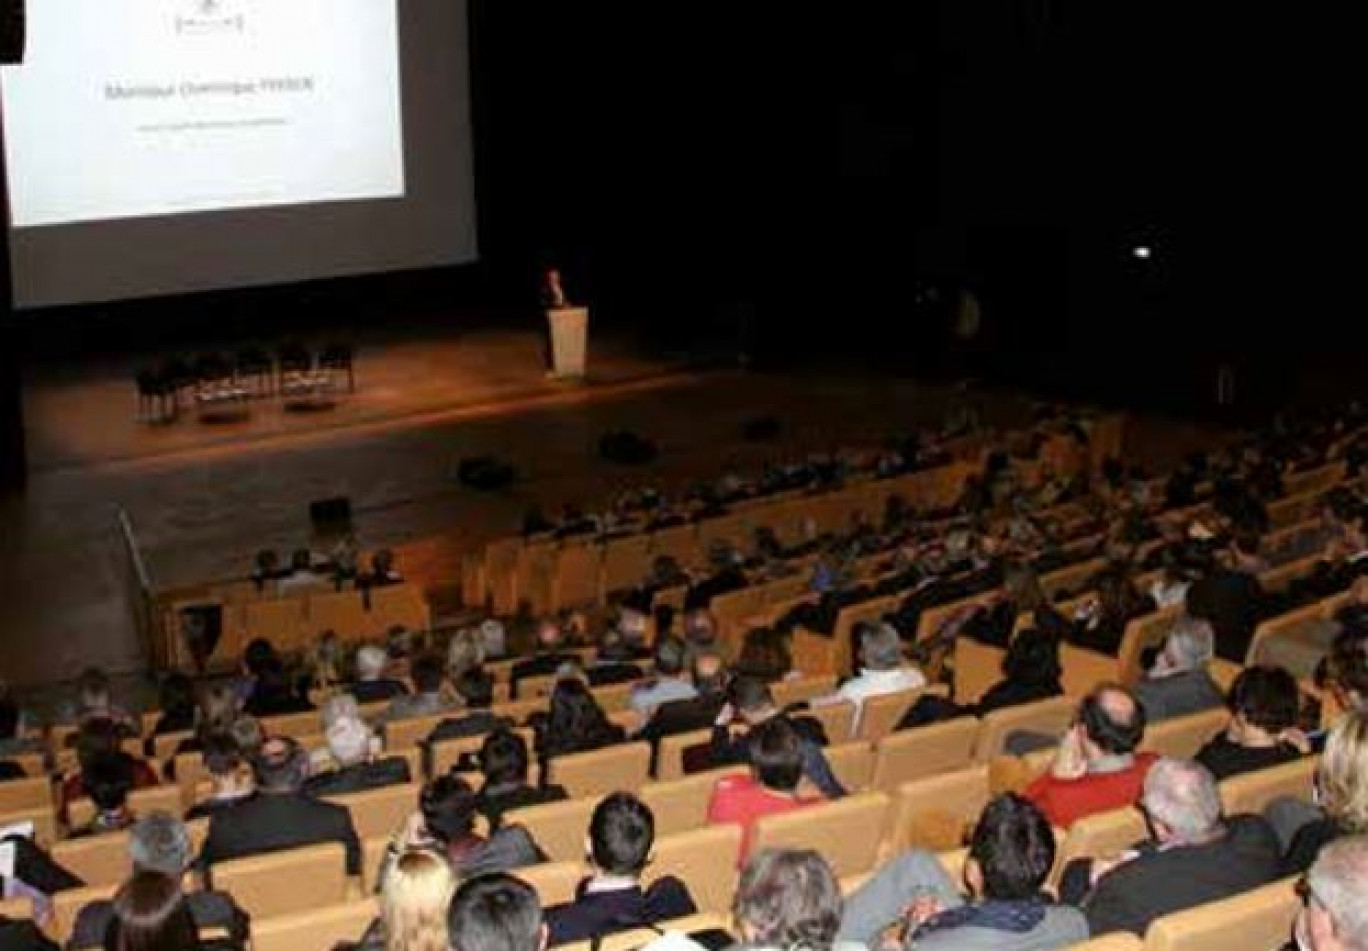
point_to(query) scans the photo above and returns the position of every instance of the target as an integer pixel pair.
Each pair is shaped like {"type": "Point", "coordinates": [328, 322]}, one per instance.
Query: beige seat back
{"type": "Point", "coordinates": [1100, 835]}
{"type": "Point", "coordinates": [97, 859]}
{"type": "Point", "coordinates": [802, 688]}
{"type": "Point", "coordinates": [977, 667]}
{"type": "Point", "coordinates": [670, 755]}
{"type": "Point", "coordinates": [1050, 717]}
{"type": "Point", "coordinates": [924, 751]}
{"type": "Point", "coordinates": [446, 753]}
{"type": "Point", "coordinates": [1182, 737]}
{"type": "Point", "coordinates": [1252, 792]}
{"type": "Point", "coordinates": [280, 883]}
{"type": "Point", "coordinates": [410, 731]}
{"type": "Point", "coordinates": [559, 828]}
{"type": "Point", "coordinates": [305, 723]}
{"type": "Point", "coordinates": [44, 821]}
{"type": "Point", "coordinates": [837, 719]}
{"type": "Point", "coordinates": [140, 801]}
{"type": "Point", "coordinates": [19, 794]}
{"type": "Point", "coordinates": [67, 905]}
{"type": "Point", "coordinates": [853, 763]}
{"type": "Point", "coordinates": [317, 929]}
{"type": "Point", "coordinates": [934, 813]}
{"type": "Point", "coordinates": [380, 812]}
{"type": "Point", "coordinates": [847, 832]}
{"type": "Point", "coordinates": [682, 804]}
{"type": "Point", "coordinates": [16, 909]}
{"type": "Point", "coordinates": [880, 714]}
{"type": "Point", "coordinates": [1116, 941]}
{"type": "Point", "coordinates": [555, 882]}
{"type": "Point", "coordinates": [705, 859]}
{"type": "Point", "coordinates": [1261, 918]}
{"type": "Point", "coordinates": [598, 772]}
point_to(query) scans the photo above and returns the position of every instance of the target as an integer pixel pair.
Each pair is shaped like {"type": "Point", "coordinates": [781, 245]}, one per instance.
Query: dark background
{"type": "Point", "coordinates": [811, 185]}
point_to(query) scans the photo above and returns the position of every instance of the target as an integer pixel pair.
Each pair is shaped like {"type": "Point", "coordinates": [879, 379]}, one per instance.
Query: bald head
{"type": "Point", "coordinates": [1113, 721]}
{"type": "Point", "coordinates": [709, 673]}
{"type": "Point", "coordinates": [1181, 798]}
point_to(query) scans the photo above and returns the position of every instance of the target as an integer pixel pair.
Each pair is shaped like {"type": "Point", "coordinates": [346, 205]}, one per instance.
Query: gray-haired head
{"type": "Point", "coordinates": [370, 663]}
{"type": "Point", "coordinates": [1182, 796]}
{"type": "Point", "coordinates": [159, 842]}
{"type": "Point", "coordinates": [1337, 883]}
{"type": "Point", "coordinates": [1191, 644]}
{"type": "Point", "coordinates": [343, 706]}
{"type": "Point", "coordinates": [881, 648]}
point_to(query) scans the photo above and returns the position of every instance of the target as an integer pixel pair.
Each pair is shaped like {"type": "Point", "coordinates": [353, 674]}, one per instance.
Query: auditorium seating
{"type": "Point", "coordinates": [848, 832]}
{"type": "Point", "coordinates": [278, 883]}
{"type": "Point", "coordinates": [315, 929]}
{"type": "Point", "coordinates": [625, 766]}
{"type": "Point", "coordinates": [1261, 918]}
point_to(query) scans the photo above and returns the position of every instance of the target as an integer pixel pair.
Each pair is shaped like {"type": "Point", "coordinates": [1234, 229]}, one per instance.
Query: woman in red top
{"type": "Point", "coordinates": [776, 767]}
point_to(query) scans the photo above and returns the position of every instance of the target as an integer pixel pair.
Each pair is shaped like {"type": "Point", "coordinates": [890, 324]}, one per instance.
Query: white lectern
{"type": "Point", "coordinates": [569, 341]}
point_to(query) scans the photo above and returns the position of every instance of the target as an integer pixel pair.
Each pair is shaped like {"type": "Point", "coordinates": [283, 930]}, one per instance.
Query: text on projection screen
{"type": "Point", "coordinates": [130, 108]}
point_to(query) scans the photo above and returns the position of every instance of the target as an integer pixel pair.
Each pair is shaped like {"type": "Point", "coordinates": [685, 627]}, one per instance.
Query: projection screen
{"type": "Point", "coordinates": [157, 147]}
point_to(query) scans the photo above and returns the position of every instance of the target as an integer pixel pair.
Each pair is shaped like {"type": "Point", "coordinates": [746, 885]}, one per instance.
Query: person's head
{"type": "Point", "coordinates": [465, 652]}
{"type": "Point", "coordinates": [226, 765]}
{"type": "Point", "coordinates": [1190, 645]}
{"type": "Point", "coordinates": [280, 766]}
{"type": "Point", "coordinates": [752, 699]}
{"type": "Point", "coordinates": [496, 913]}
{"type": "Point", "coordinates": [448, 807]}
{"type": "Point", "coordinates": [550, 635]}
{"type": "Point", "coordinates": [1117, 597]}
{"type": "Point", "coordinates": [700, 628]}
{"type": "Point", "coordinates": [257, 655]}
{"type": "Point", "coordinates": [1023, 587]}
{"type": "Point", "coordinates": [573, 711]}
{"type": "Point", "coordinates": [247, 733]}
{"type": "Point", "coordinates": [1182, 802]}
{"type": "Point", "coordinates": [415, 901]}
{"type": "Point", "coordinates": [1011, 852]}
{"type": "Point", "coordinates": [349, 741]}
{"type": "Point", "coordinates": [151, 914]}
{"type": "Point", "coordinates": [1263, 702]}
{"type": "Point", "coordinates": [92, 688]}
{"type": "Point", "coordinates": [1334, 916]}
{"type": "Point", "coordinates": [427, 673]}
{"type": "Point", "coordinates": [788, 898]}
{"type": "Point", "coordinates": [776, 758]}
{"type": "Point", "coordinates": [476, 688]}
{"type": "Point", "coordinates": [621, 834]}
{"type": "Point", "coordinates": [765, 654]}
{"type": "Point", "coordinates": [399, 642]}
{"type": "Point", "coordinates": [176, 694]}
{"type": "Point", "coordinates": [371, 662]}
{"type": "Point", "coordinates": [1342, 779]}
{"type": "Point", "coordinates": [669, 657]}
{"type": "Point", "coordinates": [108, 780]}
{"type": "Point", "coordinates": [218, 708]}
{"type": "Point", "coordinates": [99, 737]}
{"type": "Point", "coordinates": [503, 758]}
{"type": "Point", "coordinates": [709, 673]}
{"type": "Point", "coordinates": [880, 648]}
{"type": "Point", "coordinates": [342, 706]}
{"type": "Point", "coordinates": [1032, 658]}
{"type": "Point", "coordinates": [1346, 667]}
{"type": "Point", "coordinates": [159, 842]}
{"type": "Point", "coordinates": [1113, 722]}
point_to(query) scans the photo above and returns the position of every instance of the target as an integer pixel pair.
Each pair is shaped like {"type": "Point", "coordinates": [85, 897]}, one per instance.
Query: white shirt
{"type": "Point", "coordinates": [874, 683]}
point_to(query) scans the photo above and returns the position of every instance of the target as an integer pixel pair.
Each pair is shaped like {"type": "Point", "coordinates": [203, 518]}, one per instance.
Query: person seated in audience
{"type": "Point", "coordinates": [280, 815]}
{"type": "Point", "coordinates": [1233, 601]}
{"type": "Point", "coordinates": [94, 704]}
{"type": "Point", "coordinates": [354, 748]}
{"type": "Point", "coordinates": [1102, 620]}
{"type": "Point", "coordinates": [1097, 767]}
{"type": "Point", "coordinates": [750, 704]}
{"type": "Point", "coordinates": [97, 740]}
{"type": "Point", "coordinates": [1245, 551]}
{"type": "Point", "coordinates": [671, 681]}
{"type": "Point", "coordinates": [13, 726]}
{"type": "Point", "coordinates": [615, 662]}
{"type": "Point", "coordinates": [371, 684]}
{"type": "Point", "coordinates": [574, 723]}
{"type": "Point", "coordinates": [151, 913]}
{"type": "Point", "coordinates": [1021, 594]}
{"type": "Point", "coordinates": [429, 692]}
{"type": "Point", "coordinates": [229, 774]}
{"type": "Point", "coordinates": [550, 639]}
{"type": "Point", "coordinates": [765, 654]}
{"type": "Point", "coordinates": [1344, 671]}
{"type": "Point", "coordinates": [1263, 703]}
{"type": "Point", "coordinates": [414, 904]}
{"type": "Point", "coordinates": [1178, 684]}
{"type": "Point", "coordinates": [465, 651]}
{"type": "Point", "coordinates": [789, 899]}
{"type": "Point", "coordinates": [178, 709]}
{"type": "Point", "coordinates": [108, 779]}
{"type": "Point", "coordinates": [1334, 916]}
{"type": "Point", "coordinates": [776, 768]}
{"type": "Point", "coordinates": [301, 576]}
{"type": "Point", "coordinates": [709, 677]}
{"type": "Point", "coordinates": [401, 646]}
{"type": "Point", "coordinates": [1194, 857]}
{"type": "Point", "coordinates": [496, 913]}
{"type": "Point", "coordinates": [324, 664]}
{"type": "Point", "coordinates": [621, 835]}
{"type": "Point", "coordinates": [445, 825]}
{"type": "Point", "coordinates": [1011, 853]}
{"type": "Point", "coordinates": [215, 712]}
{"type": "Point", "coordinates": [700, 632]}
{"type": "Point", "coordinates": [1341, 795]}
{"type": "Point", "coordinates": [273, 693]}
{"type": "Point", "coordinates": [160, 843]}
{"type": "Point", "coordinates": [255, 655]}
{"type": "Point", "coordinates": [476, 689]}
{"type": "Point", "coordinates": [726, 575]}
{"type": "Point", "coordinates": [1181, 565]}
{"type": "Point", "coordinates": [883, 670]}
{"type": "Point", "coordinates": [503, 760]}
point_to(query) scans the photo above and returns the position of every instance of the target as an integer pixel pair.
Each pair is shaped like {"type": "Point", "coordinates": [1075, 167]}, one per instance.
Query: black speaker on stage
{"type": "Point", "coordinates": [331, 516]}
{"type": "Point", "coordinates": [11, 31]}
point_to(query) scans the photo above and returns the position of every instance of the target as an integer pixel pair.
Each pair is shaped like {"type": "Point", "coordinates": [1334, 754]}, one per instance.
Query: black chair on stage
{"type": "Point", "coordinates": [254, 364]}
{"type": "Point", "coordinates": [340, 358]}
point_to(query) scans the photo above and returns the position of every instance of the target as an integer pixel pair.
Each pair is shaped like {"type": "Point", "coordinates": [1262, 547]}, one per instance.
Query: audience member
{"type": "Point", "coordinates": [550, 639]}
{"type": "Point", "coordinates": [372, 686]}
{"type": "Point", "coordinates": [1233, 601]}
{"type": "Point", "coordinates": [504, 762]}
{"type": "Point", "coordinates": [1178, 684]}
{"type": "Point", "coordinates": [750, 704]}
{"type": "Point", "coordinates": [696, 713]}
{"type": "Point", "coordinates": [1011, 853]}
{"type": "Point", "coordinates": [788, 899]}
{"type": "Point", "coordinates": [1097, 768]}
{"type": "Point", "coordinates": [465, 651]}
{"type": "Point", "coordinates": [574, 723]}
{"type": "Point", "coordinates": [95, 704]}
{"type": "Point", "coordinates": [13, 726]}
{"type": "Point", "coordinates": [272, 692]}
{"type": "Point", "coordinates": [1030, 671]}
{"type": "Point", "coordinates": [1341, 791]}
{"type": "Point", "coordinates": [354, 750]}
{"type": "Point", "coordinates": [671, 681]}
{"type": "Point", "coordinates": [178, 711]}
{"type": "Point", "coordinates": [476, 688]}
{"type": "Point", "coordinates": [108, 779]}
{"type": "Point", "coordinates": [765, 655]}
{"type": "Point", "coordinates": [229, 773]}
{"type": "Point", "coordinates": [100, 740]}
{"type": "Point", "coordinates": [1334, 916]}
{"type": "Point", "coordinates": [1262, 732]}
{"type": "Point", "coordinates": [776, 767]}
{"type": "Point", "coordinates": [150, 913]}
{"type": "Point", "coordinates": [496, 913]}
{"type": "Point", "coordinates": [280, 815]}
{"type": "Point", "coordinates": [1103, 619]}
{"type": "Point", "coordinates": [429, 695]}
{"type": "Point", "coordinates": [160, 843]}
{"type": "Point", "coordinates": [621, 836]}
{"type": "Point", "coordinates": [884, 670]}
{"type": "Point", "coordinates": [414, 904]}
{"type": "Point", "coordinates": [1194, 856]}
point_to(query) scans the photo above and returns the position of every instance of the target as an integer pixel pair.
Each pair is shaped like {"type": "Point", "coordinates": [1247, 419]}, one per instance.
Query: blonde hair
{"type": "Point", "coordinates": [1343, 776]}
{"type": "Point", "coordinates": [465, 652]}
{"type": "Point", "coordinates": [414, 903]}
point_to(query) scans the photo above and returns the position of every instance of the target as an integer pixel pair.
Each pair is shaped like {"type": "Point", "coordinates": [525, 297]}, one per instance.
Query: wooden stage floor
{"type": "Point", "coordinates": [203, 499]}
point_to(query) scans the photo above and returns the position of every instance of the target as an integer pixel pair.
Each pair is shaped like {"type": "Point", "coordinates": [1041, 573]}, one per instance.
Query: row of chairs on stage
{"type": "Point", "coordinates": [214, 379]}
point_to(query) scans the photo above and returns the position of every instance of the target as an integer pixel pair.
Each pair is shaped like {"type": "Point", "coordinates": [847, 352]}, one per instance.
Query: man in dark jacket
{"type": "Point", "coordinates": [1233, 601]}
{"type": "Point", "coordinates": [504, 762]}
{"type": "Point", "coordinates": [1195, 856]}
{"type": "Point", "coordinates": [280, 816]}
{"type": "Point", "coordinates": [696, 713]}
{"type": "Point", "coordinates": [621, 834]}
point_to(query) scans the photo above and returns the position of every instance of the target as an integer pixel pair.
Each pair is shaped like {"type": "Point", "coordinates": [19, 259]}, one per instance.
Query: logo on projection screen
{"type": "Point", "coordinates": [209, 18]}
